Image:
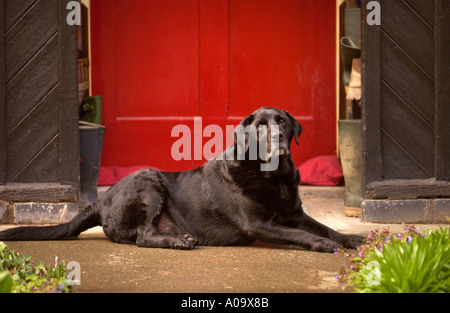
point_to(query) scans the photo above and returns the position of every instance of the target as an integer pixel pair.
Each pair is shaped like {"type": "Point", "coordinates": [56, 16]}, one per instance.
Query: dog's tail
{"type": "Point", "coordinates": [86, 219]}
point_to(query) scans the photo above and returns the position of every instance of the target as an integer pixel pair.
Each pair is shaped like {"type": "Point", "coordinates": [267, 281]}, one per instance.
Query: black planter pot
{"type": "Point", "coordinates": [91, 146]}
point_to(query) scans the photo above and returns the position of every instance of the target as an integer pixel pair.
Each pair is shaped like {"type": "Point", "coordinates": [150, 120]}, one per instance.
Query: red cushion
{"type": "Point", "coordinates": [321, 171]}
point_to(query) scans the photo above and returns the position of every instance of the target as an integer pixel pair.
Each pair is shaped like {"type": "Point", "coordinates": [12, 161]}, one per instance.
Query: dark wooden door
{"type": "Point", "coordinates": [39, 150]}
{"type": "Point", "coordinates": [406, 101]}
{"type": "Point", "coordinates": [162, 63]}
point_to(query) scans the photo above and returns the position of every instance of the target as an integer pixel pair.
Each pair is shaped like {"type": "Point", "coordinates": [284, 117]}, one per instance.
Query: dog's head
{"type": "Point", "coordinates": [270, 127]}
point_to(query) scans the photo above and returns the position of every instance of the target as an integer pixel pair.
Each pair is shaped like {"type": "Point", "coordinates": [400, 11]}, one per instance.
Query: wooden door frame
{"type": "Point", "coordinates": [384, 200]}
{"type": "Point", "coordinates": [61, 195]}
{"type": "Point", "coordinates": [2, 98]}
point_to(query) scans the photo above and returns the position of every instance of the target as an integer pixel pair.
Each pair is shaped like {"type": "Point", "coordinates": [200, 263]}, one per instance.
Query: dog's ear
{"type": "Point", "coordinates": [240, 137]}
{"type": "Point", "coordinates": [295, 125]}
{"type": "Point", "coordinates": [247, 120]}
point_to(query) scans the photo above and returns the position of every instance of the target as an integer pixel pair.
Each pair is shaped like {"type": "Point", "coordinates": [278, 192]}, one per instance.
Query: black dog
{"type": "Point", "coordinates": [226, 201]}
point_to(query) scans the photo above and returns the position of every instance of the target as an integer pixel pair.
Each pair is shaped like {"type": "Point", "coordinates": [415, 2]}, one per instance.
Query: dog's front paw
{"type": "Point", "coordinates": [184, 242]}
{"type": "Point", "coordinates": [352, 241]}
{"type": "Point", "coordinates": [191, 239]}
{"type": "Point", "coordinates": [325, 245]}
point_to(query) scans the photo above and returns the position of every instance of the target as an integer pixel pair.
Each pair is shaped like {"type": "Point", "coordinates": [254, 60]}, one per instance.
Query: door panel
{"type": "Point", "coordinates": [281, 55]}
{"type": "Point", "coordinates": [159, 64]}
{"type": "Point", "coordinates": [277, 40]}
{"type": "Point", "coordinates": [157, 58]}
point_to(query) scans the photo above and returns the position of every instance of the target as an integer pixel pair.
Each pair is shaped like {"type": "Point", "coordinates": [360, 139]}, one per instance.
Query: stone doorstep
{"type": "Point", "coordinates": [406, 211]}
{"type": "Point", "coordinates": [3, 213]}
{"type": "Point", "coordinates": [37, 213]}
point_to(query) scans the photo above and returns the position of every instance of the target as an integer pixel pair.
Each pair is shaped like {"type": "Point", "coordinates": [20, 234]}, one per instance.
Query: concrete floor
{"type": "Point", "coordinates": [260, 267]}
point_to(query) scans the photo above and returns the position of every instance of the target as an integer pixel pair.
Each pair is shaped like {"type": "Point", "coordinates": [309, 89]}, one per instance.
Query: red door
{"type": "Point", "coordinates": [161, 63]}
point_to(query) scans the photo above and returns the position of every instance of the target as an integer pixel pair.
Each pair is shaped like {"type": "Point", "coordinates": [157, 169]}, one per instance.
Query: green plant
{"type": "Point", "coordinates": [18, 275]}
{"type": "Point", "coordinates": [5, 282]}
{"type": "Point", "coordinates": [406, 262]}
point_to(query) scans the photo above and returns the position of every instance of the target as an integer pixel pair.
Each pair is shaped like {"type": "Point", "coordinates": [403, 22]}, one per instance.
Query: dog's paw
{"type": "Point", "coordinates": [191, 238]}
{"type": "Point", "coordinates": [352, 241]}
{"type": "Point", "coordinates": [325, 245]}
{"type": "Point", "coordinates": [185, 242]}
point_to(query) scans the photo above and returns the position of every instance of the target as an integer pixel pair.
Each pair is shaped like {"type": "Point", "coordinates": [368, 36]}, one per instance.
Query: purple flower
{"type": "Point", "coordinates": [408, 240]}
{"type": "Point", "coordinates": [387, 239]}
{"type": "Point", "coordinates": [361, 254]}
{"type": "Point", "coordinates": [336, 277]}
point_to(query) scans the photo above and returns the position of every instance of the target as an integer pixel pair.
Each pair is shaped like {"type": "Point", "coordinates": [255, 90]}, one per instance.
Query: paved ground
{"type": "Point", "coordinates": [109, 267]}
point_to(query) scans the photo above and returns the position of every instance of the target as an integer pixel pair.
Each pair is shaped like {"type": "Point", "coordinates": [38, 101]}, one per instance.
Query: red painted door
{"type": "Point", "coordinates": [161, 63]}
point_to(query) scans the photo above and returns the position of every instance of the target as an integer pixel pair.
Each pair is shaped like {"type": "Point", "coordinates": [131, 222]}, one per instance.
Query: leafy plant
{"type": "Point", "coordinates": [406, 262]}
{"type": "Point", "coordinates": [17, 274]}
{"type": "Point", "coordinates": [5, 282]}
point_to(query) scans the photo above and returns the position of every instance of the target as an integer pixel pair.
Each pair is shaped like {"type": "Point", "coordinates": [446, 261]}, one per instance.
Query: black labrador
{"type": "Point", "coordinates": [229, 200]}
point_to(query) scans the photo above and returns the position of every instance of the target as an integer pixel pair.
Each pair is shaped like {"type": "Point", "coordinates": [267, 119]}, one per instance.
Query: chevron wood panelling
{"type": "Point", "coordinates": [32, 90]}
{"type": "Point", "coordinates": [39, 90]}
{"type": "Point", "coordinates": [407, 89]}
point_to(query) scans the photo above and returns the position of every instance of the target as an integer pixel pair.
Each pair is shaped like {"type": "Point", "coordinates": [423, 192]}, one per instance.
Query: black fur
{"type": "Point", "coordinates": [223, 202]}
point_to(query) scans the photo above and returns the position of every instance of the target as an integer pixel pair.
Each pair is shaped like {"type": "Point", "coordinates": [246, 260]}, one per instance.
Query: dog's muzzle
{"type": "Point", "coordinates": [276, 143]}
